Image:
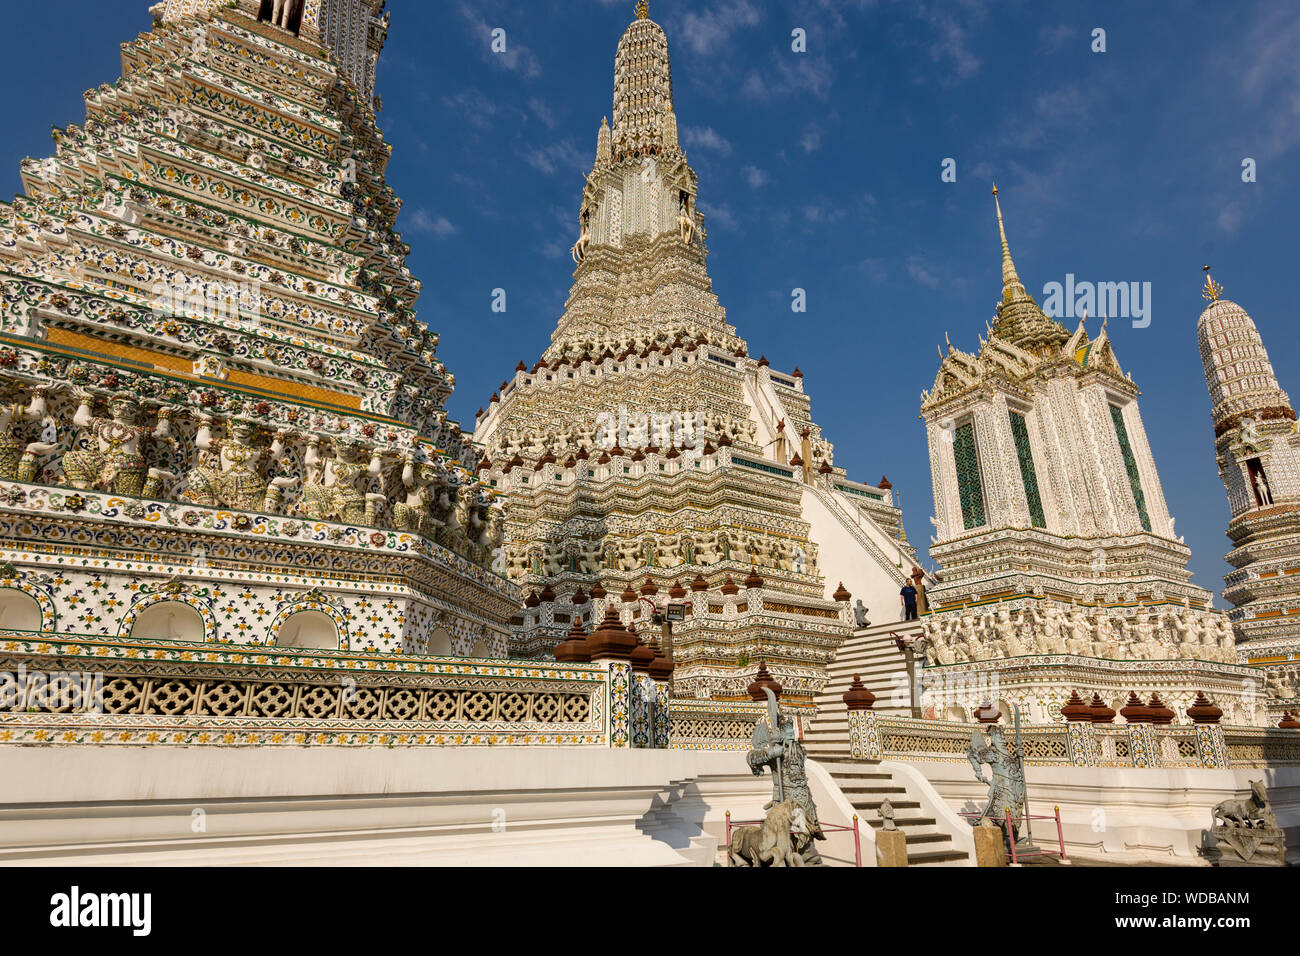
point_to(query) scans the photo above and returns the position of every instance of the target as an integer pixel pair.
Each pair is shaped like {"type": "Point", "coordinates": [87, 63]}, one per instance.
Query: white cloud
{"type": "Point", "coordinates": [705, 137]}
{"type": "Point", "coordinates": [543, 112]}
{"type": "Point", "coordinates": [1051, 38]}
{"type": "Point", "coordinates": [720, 214]}
{"type": "Point", "coordinates": [754, 176]}
{"type": "Point", "coordinates": [516, 57]}
{"type": "Point", "coordinates": [876, 270]}
{"type": "Point", "coordinates": [704, 32]}
{"type": "Point", "coordinates": [952, 47]}
{"type": "Point", "coordinates": [921, 272]}
{"type": "Point", "coordinates": [557, 157]}
{"type": "Point", "coordinates": [428, 223]}
{"type": "Point", "coordinates": [472, 106]}
{"type": "Point", "coordinates": [1231, 217]}
{"type": "Point", "coordinates": [811, 140]}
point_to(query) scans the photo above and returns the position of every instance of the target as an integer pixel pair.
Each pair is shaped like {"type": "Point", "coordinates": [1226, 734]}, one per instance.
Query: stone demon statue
{"type": "Point", "coordinates": [776, 747]}
{"type": "Point", "coordinates": [1007, 788]}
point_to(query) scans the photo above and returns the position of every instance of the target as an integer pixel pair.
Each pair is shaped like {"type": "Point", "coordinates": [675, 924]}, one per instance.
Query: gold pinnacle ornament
{"type": "Point", "coordinates": [1212, 289]}
{"type": "Point", "coordinates": [642, 10]}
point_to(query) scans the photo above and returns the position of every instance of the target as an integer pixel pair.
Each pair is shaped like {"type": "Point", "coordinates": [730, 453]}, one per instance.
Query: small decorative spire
{"type": "Point", "coordinates": [642, 10]}
{"type": "Point", "coordinates": [1212, 289]}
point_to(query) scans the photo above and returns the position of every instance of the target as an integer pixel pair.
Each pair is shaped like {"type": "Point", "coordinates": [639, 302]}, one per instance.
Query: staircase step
{"type": "Point", "coordinates": [935, 857]}
{"type": "Point", "coordinates": [901, 822]}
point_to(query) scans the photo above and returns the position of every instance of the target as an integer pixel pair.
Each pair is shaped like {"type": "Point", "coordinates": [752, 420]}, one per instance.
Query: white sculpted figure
{"type": "Point", "coordinates": [1227, 641]}
{"type": "Point", "coordinates": [1113, 647]}
{"type": "Point", "coordinates": [1183, 627]}
{"type": "Point", "coordinates": [1146, 644]}
{"type": "Point", "coordinates": [415, 514]}
{"type": "Point", "coordinates": [1053, 620]}
{"type": "Point", "coordinates": [579, 250]}
{"type": "Point", "coordinates": [1044, 640]}
{"type": "Point", "coordinates": [1005, 635]}
{"type": "Point", "coordinates": [685, 223]}
{"type": "Point", "coordinates": [1207, 647]}
{"type": "Point", "coordinates": [1077, 642]}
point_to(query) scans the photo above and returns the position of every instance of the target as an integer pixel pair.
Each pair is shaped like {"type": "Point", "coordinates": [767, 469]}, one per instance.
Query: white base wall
{"type": "Point", "coordinates": [367, 806]}
{"type": "Point", "coordinates": [1128, 815]}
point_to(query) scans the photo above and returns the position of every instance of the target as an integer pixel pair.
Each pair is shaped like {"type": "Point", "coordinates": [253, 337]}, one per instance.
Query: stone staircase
{"type": "Point", "coordinates": [866, 784]}
{"type": "Point", "coordinates": [872, 654]}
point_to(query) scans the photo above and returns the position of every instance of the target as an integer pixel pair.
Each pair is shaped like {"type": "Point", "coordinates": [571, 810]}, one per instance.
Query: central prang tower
{"type": "Point", "coordinates": [648, 460]}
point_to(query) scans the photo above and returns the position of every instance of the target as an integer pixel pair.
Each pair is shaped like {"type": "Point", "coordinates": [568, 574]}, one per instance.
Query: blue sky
{"type": "Point", "coordinates": [821, 171]}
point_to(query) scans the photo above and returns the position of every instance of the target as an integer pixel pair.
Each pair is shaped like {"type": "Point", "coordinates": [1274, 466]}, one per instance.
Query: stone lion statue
{"type": "Point", "coordinates": [772, 842]}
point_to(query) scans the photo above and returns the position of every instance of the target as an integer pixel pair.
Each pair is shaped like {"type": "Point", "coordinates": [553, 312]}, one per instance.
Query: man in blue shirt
{"type": "Point", "coordinates": [907, 597]}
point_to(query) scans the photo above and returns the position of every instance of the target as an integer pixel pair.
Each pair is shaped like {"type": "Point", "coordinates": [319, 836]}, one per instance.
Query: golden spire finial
{"type": "Point", "coordinates": [642, 10]}
{"type": "Point", "coordinates": [1011, 284]}
{"type": "Point", "coordinates": [1212, 289]}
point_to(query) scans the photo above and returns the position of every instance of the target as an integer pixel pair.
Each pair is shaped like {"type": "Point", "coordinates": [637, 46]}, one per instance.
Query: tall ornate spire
{"type": "Point", "coordinates": [1012, 287]}
{"type": "Point", "coordinates": [643, 84]}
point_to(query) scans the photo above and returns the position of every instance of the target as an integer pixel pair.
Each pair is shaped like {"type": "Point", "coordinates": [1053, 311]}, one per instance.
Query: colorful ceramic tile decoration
{"type": "Point", "coordinates": [221, 424]}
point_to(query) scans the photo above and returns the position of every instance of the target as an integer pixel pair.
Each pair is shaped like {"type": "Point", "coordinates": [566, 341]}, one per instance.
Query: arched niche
{"type": "Point", "coordinates": [482, 648]}
{"type": "Point", "coordinates": [19, 611]}
{"type": "Point", "coordinates": [440, 643]}
{"type": "Point", "coordinates": [169, 621]}
{"type": "Point", "coordinates": [955, 713]}
{"type": "Point", "coordinates": [308, 629]}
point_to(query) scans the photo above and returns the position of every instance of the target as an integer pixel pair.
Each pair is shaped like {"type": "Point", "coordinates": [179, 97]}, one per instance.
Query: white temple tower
{"type": "Point", "coordinates": [1060, 568]}
{"type": "Point", "coordinates": [646, 452]}
{"type": "Point", "coordinates": [1258, 453]}
{"type": "Point", "coordinates": [1043, 478]}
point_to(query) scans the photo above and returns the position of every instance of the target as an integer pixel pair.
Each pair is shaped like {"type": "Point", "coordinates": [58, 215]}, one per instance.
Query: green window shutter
{"type": "Point", "coordinates": [1020, 432]}
{"type": "Point", "coordinates": [969, 487]}
{"type": "Point", "coordinates": [1130, 465]}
